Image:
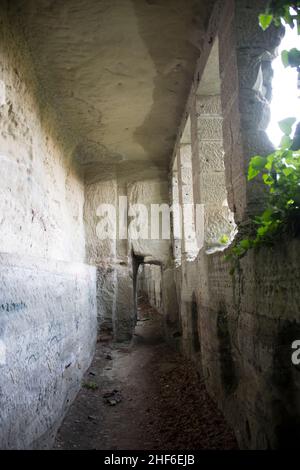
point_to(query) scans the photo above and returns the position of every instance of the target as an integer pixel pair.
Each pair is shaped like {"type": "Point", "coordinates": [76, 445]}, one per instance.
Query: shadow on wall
{"type": "Point", "coordinates": [227, 367]}
{"type": "Point", "coordinates": [173, 75]}
{"type": "Point", "coordinates": [148, 282]}
{"type": "Point", "coordinates": [195, 326]}
{"type": "Point", "coordinates": [137, 261]}
{"type": "Point", "coordinates": [285, 375]}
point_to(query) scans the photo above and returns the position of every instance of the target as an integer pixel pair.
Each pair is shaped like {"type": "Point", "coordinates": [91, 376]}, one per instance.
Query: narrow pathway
{"type": "Point", "coordinates": [143, 396]}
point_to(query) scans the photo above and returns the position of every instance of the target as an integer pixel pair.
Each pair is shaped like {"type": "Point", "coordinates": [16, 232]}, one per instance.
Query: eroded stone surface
{"type": "Point", "coordinates": [237, 329]}
{"type": "Point", "coordinates": [47, 307]}
{"type": "Point", "coordinates": [48, 334]}
{"type": "Point", "coordinates": [41, 193]}
{"type": "Point", "coordinates": [112, 80]}
{"type": "Point", "coordinates": [120, 92]}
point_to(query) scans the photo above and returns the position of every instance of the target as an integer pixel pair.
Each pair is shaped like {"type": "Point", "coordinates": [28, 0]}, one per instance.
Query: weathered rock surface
{"type": "Point", "coordinates": [47, 307]}
{"type": "Point", "coordinates": [41, 192]}
{"type": "Point", "coordinates": [47, 339]}
{"type": "Point", "coordinates": [120, 71]}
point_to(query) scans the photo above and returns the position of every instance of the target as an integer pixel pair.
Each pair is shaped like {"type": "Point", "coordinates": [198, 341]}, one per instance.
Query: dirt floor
{"type": "Point", "coordinates": [143, 396]}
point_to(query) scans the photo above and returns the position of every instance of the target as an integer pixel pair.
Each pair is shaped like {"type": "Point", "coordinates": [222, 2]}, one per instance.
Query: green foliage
{"type": "Point", "coordinates": [280, 172]}
{"type": "Point", "coordinates": [265, 20]}
{"type": "Point", "coordinates": [291, 58]}
{"type": "Point", "coordinates": [288, 13]}
{"type": "Point", "coordinates": [278, 12]}
{"type": "Point", "coordinates": [286, 126]}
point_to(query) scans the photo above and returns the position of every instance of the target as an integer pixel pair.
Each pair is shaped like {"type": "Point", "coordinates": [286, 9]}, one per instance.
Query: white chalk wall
{"type": "Point", "coordinates": [113, 258]}
{"type": "Point", "coordinates": [41, 194]}
{"type": "Point", "coordinates": [47, 338]}
{"type": "Point", "coordinates": [150, 192]}
{"type": "Point", "coordinates": [150, 284]}
{"type": "Point", "coordinates": [47, 294]}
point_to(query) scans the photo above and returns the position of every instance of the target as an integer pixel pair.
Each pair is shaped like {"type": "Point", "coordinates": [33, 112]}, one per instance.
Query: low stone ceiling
{"type": "Point", "coordinates": [117, 71]}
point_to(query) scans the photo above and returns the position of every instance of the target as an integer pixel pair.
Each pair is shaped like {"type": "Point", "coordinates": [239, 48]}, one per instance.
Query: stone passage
{"type": "Point", "coordinates": [143, 395]}
{"type": "Point", "coordinates": [126, 129]}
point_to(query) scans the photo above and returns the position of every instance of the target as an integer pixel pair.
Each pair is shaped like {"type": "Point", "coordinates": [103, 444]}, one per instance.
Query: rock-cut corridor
{"type": "Point", "coordinates": [143, 395]}
{"type": "Point", "coordinates": [126, 131]}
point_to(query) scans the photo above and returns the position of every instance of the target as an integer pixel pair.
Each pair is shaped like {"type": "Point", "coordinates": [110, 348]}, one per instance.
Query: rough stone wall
{"type": "Point", "coordinates": [157, 284]}
{"type": "Point", "coordinates": [41, 194]}
{"type": "Point", "coordinates": [155, 251]}
{"type": "Point", "coordinates": [101, 253]}
{"type": "Point", "coordinates": [150, 284]}
{"type": "Point", "coordinates": [208, 167]}
{"type": "Point", "coordinates": [47, 338]}
{"type": "Point", "coordinates": [239, 329]}
{"type": "Point", "coordinates": [247, 326]}
{"type": "Point", "coordinates": [115, 258]}
{"type": "Point", "coordinates": [114, 273]}
{"type": "Point", "coordinates": [47, 307]}
{"type": "Point", "coordinates": [149, 192]}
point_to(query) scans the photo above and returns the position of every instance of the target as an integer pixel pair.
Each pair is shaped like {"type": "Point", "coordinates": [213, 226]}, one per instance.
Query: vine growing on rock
{"type": "Point", "coordinates": [279, 171]}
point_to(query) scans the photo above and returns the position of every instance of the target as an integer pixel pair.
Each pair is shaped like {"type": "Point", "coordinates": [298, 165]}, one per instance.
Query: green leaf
{"type": "Point", "coordinates": [265, 20]}
{"type": "Point", "coordinates": [288, 171]}
{"type": "Point", "coordinates": [261, 231]}
{"type": "Point", "coordinates": [291, 58]}
{"type": "Point", "coordinates": [270, 160]}
{"type": "Point", "coordinates": [294, 57]}
{"type": "Point", "coordinates": [277, 21]}
{"type": "Point", "coordinates": [287, 17]}
{"type": "Point", "coordinates": [286, 142]}
{"type": "Point", "coordinates": [290, 202]}
{"type": "Point", "coordinates": [268, 180]}
{"type": "Point", "coordinates": [246, 244]}
{"type": "Point", "coordinates": [280, 170]}
{"type": "Point", "coordinates": [238, 250]}
{"type": "Point", "coordinates": [252, 173]}
{"type": "Point", "coordinates": [296, 139]}
{"type": "Point", "coordinates": [285, 58]}
{"type": "Point", "coordinates": [267, 215]}
{"type": "Point", "coordinates": [286, 125]}
{"type": "Point", "coordinates": [256, 164]}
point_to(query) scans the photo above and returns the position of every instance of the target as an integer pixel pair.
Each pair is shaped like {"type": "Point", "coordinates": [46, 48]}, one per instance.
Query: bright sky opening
{"type": "Point", "coordinates": [285, 102]}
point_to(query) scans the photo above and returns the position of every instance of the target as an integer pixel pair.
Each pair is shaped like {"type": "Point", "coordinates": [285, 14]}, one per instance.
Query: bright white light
{"type": "Point", "coordinates": [2, 353]}
{"type": "Point", "coordinates": [285, 101]}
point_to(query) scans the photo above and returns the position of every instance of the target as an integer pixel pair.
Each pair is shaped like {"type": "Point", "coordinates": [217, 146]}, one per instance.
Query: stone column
{"type": "Point", "coordinates": [124, 309]}
{"type": "Point", "coordinates": [176, 216]}
{"type": "Point", "coordinates": [115, 299]}
{"type": "Point", "coordinates": [101, 252]}
{"type": "Point", "coordinates": [186, 201]}
{"type": "Point", "coordinates": [246, 53]}
{"type": "Point", "coordinates": [208, 170]}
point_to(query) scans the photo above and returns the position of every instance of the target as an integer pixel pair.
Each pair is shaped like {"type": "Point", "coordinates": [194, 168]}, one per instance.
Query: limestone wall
{"type": "Point", "coordinates": [47, 338]}
{"type": "Point", "coordinates": [150, 245]}
{"type": "Point", "coordinates": [150, 285]}
{"type": "Point", "coordinates": [41, 193]}
{"type": "Point", "coordinates": [158, 285]}
{"type": "Point", "coordinates": [239, 329]}
{"type": "Point", "coordinates": [47, 294]}
{"type": "Point", "coordinates": [115, 257]}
